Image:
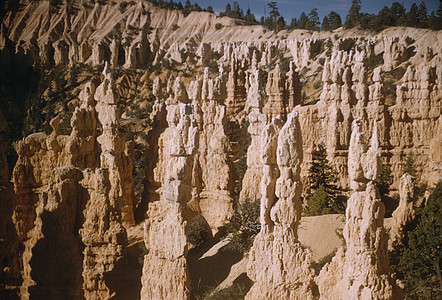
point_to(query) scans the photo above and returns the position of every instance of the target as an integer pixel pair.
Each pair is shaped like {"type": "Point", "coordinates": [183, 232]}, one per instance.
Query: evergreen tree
{"type": "Point", "coordinates": [321, 172]}
{"type": "Point", "coordinates": [228, 10]}
{"type": "Point", "coordinates": [187, 8]}
{"type": "Point", "coordinates": [382, 19]}
{"type": "Point", "coordinates": [423, 15]}
{"type": "Point", "coordinates": [294, 23]}
{"type": "Point", "coordinates": [434, 22]}
{"type": "Point", "coordinates": [325, 24]}
{"type": "Point", "coordinates": [280, 24]}
{"type": "Point", "coordinates": [396, 12]}
{"type": "Point", "coordinates": [209, 9]}
{"type": "Point", "coordinates": [313, 20]}
{"type": "Point", "coordinates": [196, 7]}
{"type": "Point", "coordinates": [352, 19]}
{"type": "Point", "coordinates": [412, 17]}
{"type": "Point", "coordinates": [236, 11]}
{"type": "Point", "coordinates": [318, 203]}
{"type": "Point", "coordinates": [302, 20]}
{"type": "Point", "coordinates": [384, 179]}
{"type": "Point", "coordinates": [408, 166]}
{"type": "Point", "coordinates": [250, 18]}
{"type": "Point", "coordinates": [322, 180]}
{"type": "Point", "coordinates": [335, 20]}
{"type": "Point", "coordinates": [274, 13]}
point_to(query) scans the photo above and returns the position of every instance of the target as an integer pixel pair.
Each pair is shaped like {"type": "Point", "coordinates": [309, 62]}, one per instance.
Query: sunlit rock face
{"type": "Point", "coordinates": [236, 113]}
{"type": "Point", "coordinates": [278, 265]}
{"type": "Point", "coordinates": [361, 269]}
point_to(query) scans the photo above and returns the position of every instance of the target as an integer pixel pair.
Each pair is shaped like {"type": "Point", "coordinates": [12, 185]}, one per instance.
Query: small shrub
{"type": "Point", "coordinates": [218, 26]}
{"type": "Point", "coordinates": [123, 5]}
{"type": "Point", "coordinates": [340, 233]}
{"type": "Point", "coordinates": [143, 252]}
{"type": "Point", "coordinates": [199, 231]}
{"type": "Point", "coordinates": [244, 226]}
{"type": "Point", "coordinates": [318, 203]}
{"type": "Point", "coordinates": [175, 27]}
{"type": "Point", "coordinates": [409, 40]}
{"type": "Point", "coordinates": [235, 292]}
{"type": "Point", "coordinates": [374, 60]}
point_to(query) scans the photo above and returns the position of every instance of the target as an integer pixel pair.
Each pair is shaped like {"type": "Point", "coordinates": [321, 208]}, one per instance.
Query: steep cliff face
{"type": "Point", "coordinates": [68, 219]}
{"type": "Point", "coordinates": [10, 276]}
{"type": "Point", "coordinates": [52, 260]}
{"type": "Point", "coordinates": [202, 99]}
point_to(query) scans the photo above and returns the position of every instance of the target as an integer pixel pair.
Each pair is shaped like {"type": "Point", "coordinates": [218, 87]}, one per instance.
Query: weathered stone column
{"type": "Point", "coordinates": [278, 264]}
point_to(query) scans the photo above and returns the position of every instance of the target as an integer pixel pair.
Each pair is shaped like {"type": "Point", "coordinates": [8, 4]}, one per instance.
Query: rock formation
{"type": "Point", "coordinates": [116, 154]}
{"type": "Point", "coordinates": [278, 265]}
{"type": "Point", "coordinates": [51, 198]}
{"type": "Point", "coordinates": [197, 137]}
{"type": "Point", "coordinates": [216, 200]}
{"type": "Point", "coordinates": [165, 273]}
{"type": "Point", "coordinates": [103, 236]}
{"type": "Point", "coordinates": [257, 121]}
{"type": "Point", "coordinates": [361, 270]}
{"type": "Point", "coordinates": [52, 260]}
{"type": "Point", "coordinates": [404, 213]}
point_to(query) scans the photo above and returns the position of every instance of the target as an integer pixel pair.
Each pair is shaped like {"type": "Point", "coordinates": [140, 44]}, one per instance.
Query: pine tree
{"type": "Point", "coordinates": [294, 23]}
{"type": "Point", "coordinates": [236, 11]}
{"type": "Point", "coordinates": [434, 22]}
{"type": "Point", "coordinates": [412, 17]}
{"type": "Point", "coordinates": [313, 20]}
{"type": "Point", "coordinates": [352, 19]}
{"type": "Point", "coordinates": [396, 12]}
{"type": "Point", "coordinates": [335, 20]}
{"type": "Point", "coordinates": [321, 172]}
{"type": "Point", "coordinates": [322, 180]}
{"type": "Point", "coordinates": [423, 15]}
{"type": "Point", "coordinates": [250, 18]}
{"type": "Point", "coordinates": [302, 20]}
{"type": "Point", "coordinates": [274, 13]}
{"type": "Point", "coordinates": [325, 24]}
{"type": "Point", "coordinates": [384, 179]}
{"type": "Point", "coordinates": [408, 166]}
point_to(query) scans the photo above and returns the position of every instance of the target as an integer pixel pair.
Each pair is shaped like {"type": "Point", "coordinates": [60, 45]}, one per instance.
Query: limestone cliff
{"type": "Point", "coordinates": [222, 113]}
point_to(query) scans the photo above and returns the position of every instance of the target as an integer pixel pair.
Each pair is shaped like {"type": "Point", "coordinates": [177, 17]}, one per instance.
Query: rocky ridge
{"type": "Point", "coordinates": [246, 84]}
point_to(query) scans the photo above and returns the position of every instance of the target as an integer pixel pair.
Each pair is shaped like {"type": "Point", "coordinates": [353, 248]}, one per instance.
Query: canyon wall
{"type": "Point", "coordinates": [237, 112]}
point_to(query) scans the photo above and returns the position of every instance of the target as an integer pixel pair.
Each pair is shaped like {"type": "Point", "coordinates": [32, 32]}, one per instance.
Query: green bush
{"type": "Point", "coordinates": [244, 226]}
{"type": "Point", "coordinates": [318, 203]}
{"type": "Point", "coordinates": [384, 180]}
{"type": "Point", "coordinates": [199, 231]}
